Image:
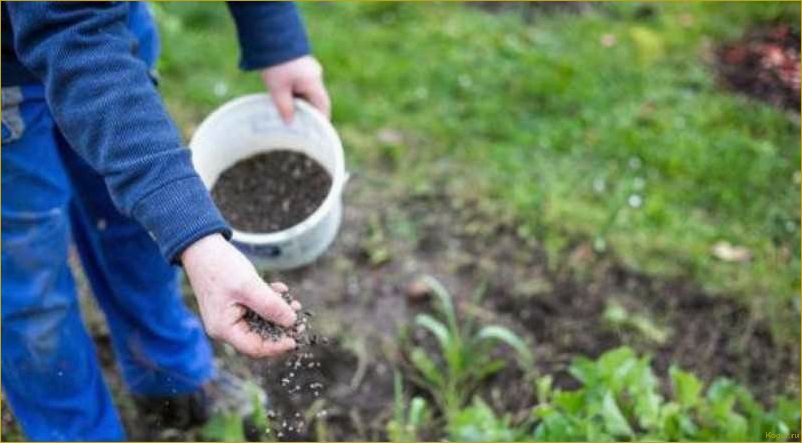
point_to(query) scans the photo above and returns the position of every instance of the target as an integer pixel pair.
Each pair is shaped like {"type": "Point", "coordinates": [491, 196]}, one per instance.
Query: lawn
{"type": "Point", "coordinates": [607, 129]}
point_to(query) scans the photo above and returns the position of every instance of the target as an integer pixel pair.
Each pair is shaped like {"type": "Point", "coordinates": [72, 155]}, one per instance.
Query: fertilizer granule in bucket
{"type": "Point", "coordinates": [272, 191]}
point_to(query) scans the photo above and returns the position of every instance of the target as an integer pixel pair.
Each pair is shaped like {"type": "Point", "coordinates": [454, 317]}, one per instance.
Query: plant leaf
{"type": "Point", "coordinates": [543, 386]}
{"type": "Point", "coordinates": [418, 409]}
{"type": "Point", "coordinates": [686, 387]}
{"type": "Point", "coordinates": [584, 370]}
{"type": "Point", "coordinates": [437, 328]}
{"type": "Point", "coordinates": [614, 420]}
{"type": "Point", "coordinates": [398, 397]}
{"type": "Point", "coordinates": [427, 368]}
{"type": "Point", "coordinates": [446, 306]}
{"type": "Point", "coordinates": [512, 339]}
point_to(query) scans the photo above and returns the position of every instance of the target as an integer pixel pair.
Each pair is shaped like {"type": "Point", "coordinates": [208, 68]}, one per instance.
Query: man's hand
{"type": "Point", "coordinates": [302, 77]}
{"type": "Point", "coordinates": [225, 283]}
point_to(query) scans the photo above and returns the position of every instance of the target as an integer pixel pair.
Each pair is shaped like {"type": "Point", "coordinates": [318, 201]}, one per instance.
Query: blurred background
{"type": "Point", "coordinates": [614, 188]}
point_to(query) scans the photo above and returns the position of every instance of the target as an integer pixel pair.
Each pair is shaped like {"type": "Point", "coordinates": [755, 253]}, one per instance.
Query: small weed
{"type": "Point", "coordinates": [224, 427]}
{"type": "Point", "coordinates": [232, 427]}
{"type": "Point", "coordinates": [465, 358]}
{"type": "Point", "coordinates": [618, 318]}
{"type": "Point", "coordinates": [375, 246]}
{"type": "Point", "coordinates": [408, 421]}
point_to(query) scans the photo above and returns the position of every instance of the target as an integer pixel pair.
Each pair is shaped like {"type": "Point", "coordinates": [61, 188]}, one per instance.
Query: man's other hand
{"type": "Point", "coordinates": [301, 77]}
{"type": "Point", "coordinates": [225, 283]}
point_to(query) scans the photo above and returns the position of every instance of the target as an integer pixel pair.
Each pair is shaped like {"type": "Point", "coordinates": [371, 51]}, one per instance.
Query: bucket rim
{"type": "Point", "coordinates": [339, 175]}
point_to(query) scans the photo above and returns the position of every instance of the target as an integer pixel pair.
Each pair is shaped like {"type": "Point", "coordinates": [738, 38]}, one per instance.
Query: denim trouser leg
{"type": "Point", "coordinates": [50, 371]}
{"type": "Point", "coordinates": [51, 376]}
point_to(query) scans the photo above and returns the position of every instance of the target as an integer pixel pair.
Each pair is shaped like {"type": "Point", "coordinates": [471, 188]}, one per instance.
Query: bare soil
{"type": "Point", "coordinates": [271, 191]}
{"type": "Point", "coordinates": [764, 64]}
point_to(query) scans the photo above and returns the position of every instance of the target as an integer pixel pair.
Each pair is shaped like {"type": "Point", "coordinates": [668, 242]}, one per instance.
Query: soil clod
{"type": "Point", "coordinates": [417, 291]}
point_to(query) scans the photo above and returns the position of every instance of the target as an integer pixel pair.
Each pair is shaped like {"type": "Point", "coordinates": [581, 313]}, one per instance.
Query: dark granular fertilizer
{"type": "Point", "coordinates": [272, 191]}
{"type": "Point", "coordinates": [270, 331]}
{"type": "Point", "coordinates": [301, 375]}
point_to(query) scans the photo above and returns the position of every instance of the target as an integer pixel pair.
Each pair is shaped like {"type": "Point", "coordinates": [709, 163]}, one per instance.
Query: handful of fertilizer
{"type": "Point", "coordinates": [299, 331]}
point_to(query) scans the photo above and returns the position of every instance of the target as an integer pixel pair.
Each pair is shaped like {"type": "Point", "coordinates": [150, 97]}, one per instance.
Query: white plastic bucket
{"type": "Point", "coordinates": [249, 125]}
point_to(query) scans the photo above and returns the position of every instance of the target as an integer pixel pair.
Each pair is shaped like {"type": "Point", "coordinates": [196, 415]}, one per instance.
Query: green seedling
{"type": "Point", "coordinates": [223, 427]}
{"type": "Point", "coordinates": [231, 427]}
{"type": "Point", "coordinates": [408, 421]}
{"type": "Point", "coordinates": [259, 418]}
{"type": "Point", "coordinates": [316, 413]}
{"type": "Point", "coordinates": [478, 422]}
{"type": "Point", "coordinates": [375, 245]}
{"type": "Point", "coordinates": [465, 356]}
{"type": "Point", "coordinates": [619, 318]}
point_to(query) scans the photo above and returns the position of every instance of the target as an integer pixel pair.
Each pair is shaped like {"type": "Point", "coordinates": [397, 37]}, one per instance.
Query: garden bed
{"type": "Point", "coordinates": [363, 295]}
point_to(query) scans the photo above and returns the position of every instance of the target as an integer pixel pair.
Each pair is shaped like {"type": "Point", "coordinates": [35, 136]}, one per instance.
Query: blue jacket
{"type": "Point", "coordinates": [94, 61]}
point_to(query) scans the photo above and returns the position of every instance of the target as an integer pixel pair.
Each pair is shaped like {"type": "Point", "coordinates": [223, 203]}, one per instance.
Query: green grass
{"type": "Point", "coordinates": [551, 125]}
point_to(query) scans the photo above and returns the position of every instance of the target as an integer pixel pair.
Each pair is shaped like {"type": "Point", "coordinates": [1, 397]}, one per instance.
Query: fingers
{"type": "Point", "coordinates": [282, 97]}
{"type": "Point", "coordinates": [282, 289]}
{"type": "Point", "coordinates": [312, 90]}
{"type": "Point", "coordinates": [267, 303]}
{"type": "Point", "coordinates": [253, 345]}
{"type": "Point", "coordinates": [279, 287]}
{"type": "Point", "coordinates": [303, 77]}
{"type": "Point", "coordinates": [315, 93]}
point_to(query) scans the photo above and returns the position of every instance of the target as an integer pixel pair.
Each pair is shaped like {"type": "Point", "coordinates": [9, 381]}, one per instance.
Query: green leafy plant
{"type": "Point", "coordinates": [407, 421]}
{"type": "Point", "coordinates": [478, 422]}
{"type": "Point", "coordinates": [465, 353]}
{"type": "Point", "coordinates": [231, 426]}
{"type": "Point", "coordinates": [259, 419]}
{"type": "Point", "coordinates": [620, 400]}
{"type": "Point", "coordinates": [224, 427]}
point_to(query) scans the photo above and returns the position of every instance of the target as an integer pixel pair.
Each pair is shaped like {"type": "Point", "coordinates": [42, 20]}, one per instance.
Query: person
{"type": "Point", "coordinates": [91, 157]}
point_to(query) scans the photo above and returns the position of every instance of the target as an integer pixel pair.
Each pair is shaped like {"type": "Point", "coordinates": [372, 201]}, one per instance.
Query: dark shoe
{"type": "Point", "coordinates": [226, 394]}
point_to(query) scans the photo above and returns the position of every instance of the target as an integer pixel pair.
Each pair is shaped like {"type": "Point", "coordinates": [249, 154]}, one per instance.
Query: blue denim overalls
{"type": "Point", "coordinates": [50, 199]}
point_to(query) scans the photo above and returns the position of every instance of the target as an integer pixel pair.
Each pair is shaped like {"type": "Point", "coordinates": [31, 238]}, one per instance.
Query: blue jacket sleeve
{"type": "Point", "coordinates": [105, 104]}
{"type": "Point", "coordinates": [269, 33]}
